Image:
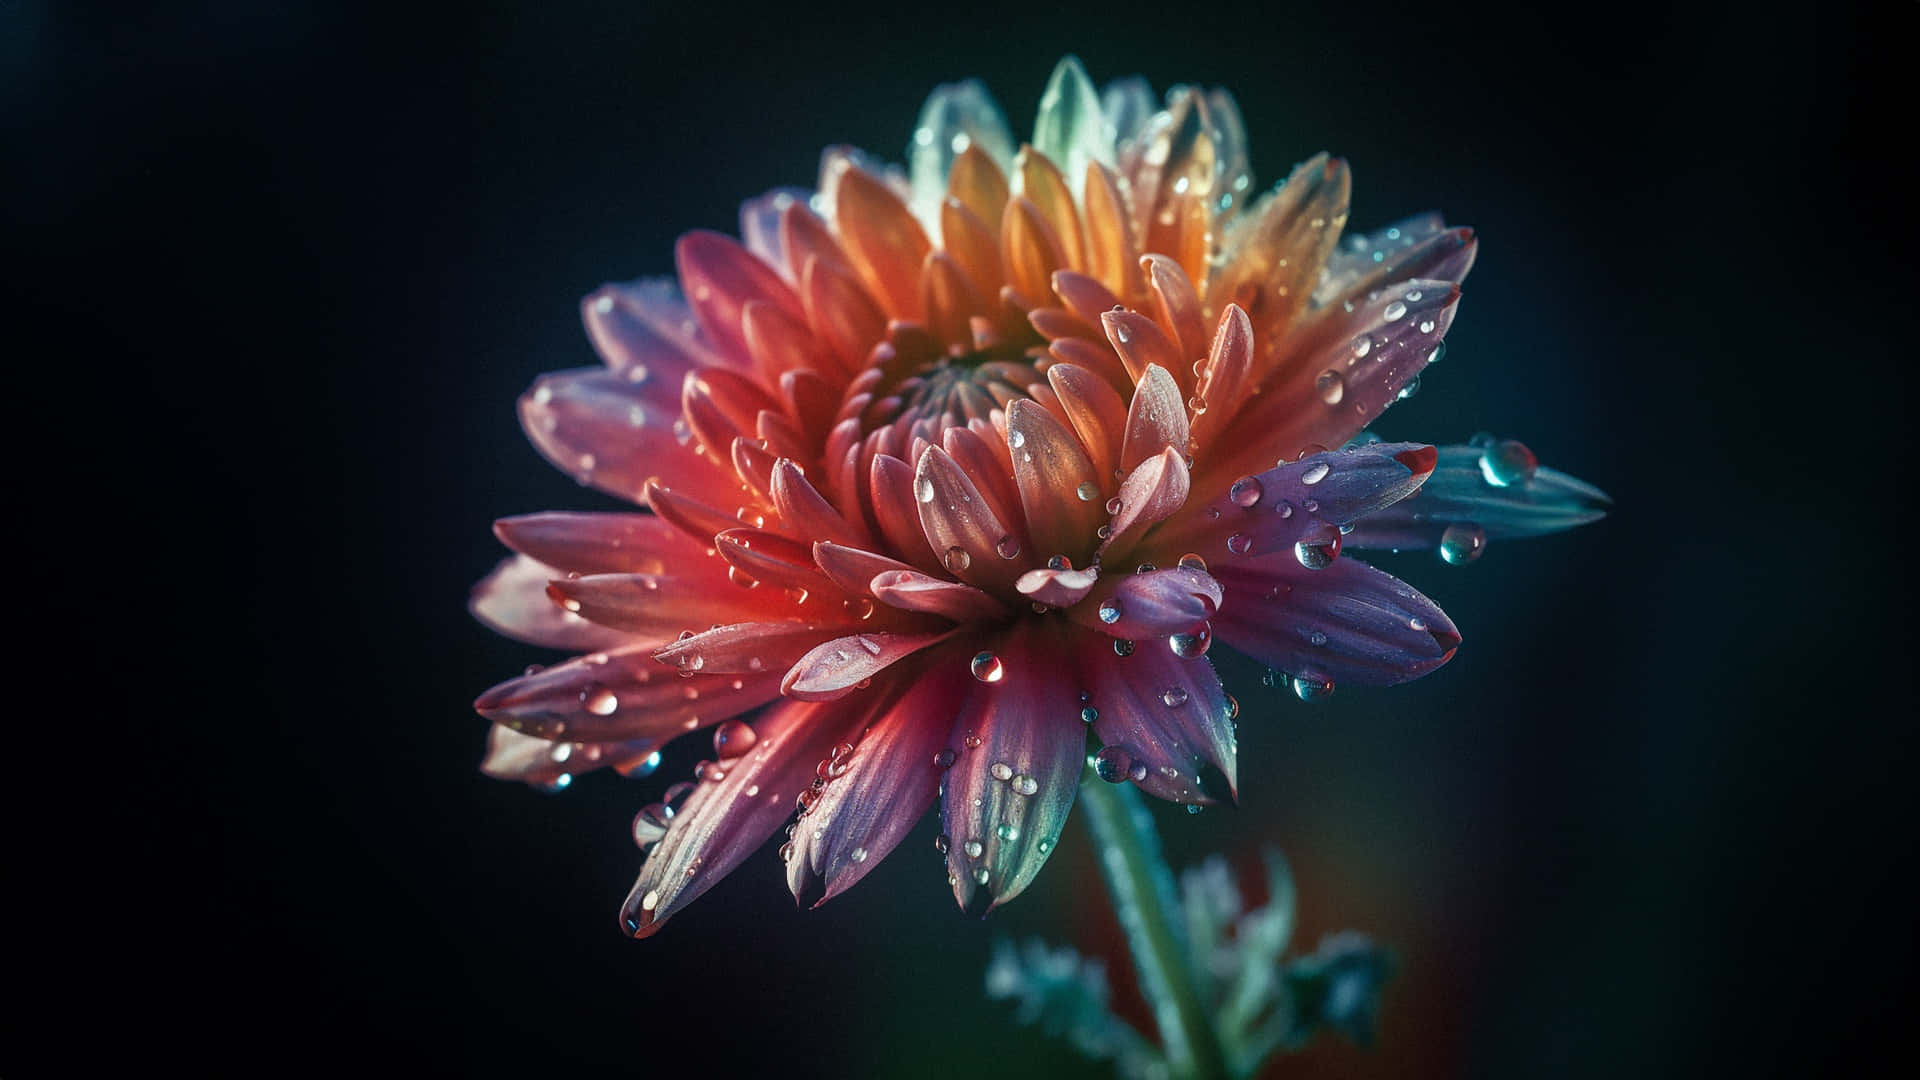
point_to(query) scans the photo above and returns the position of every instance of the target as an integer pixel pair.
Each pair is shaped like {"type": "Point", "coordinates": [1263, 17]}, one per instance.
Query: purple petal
{"type": "Point", "coordinates": [551, 766]}
{"type": "Point", "coordinates": [836, 668]}
{"type": "Point", "coordinates": [1019, 745]}
{"type": "Point", "coordinates": [1170, 715]}
{"type": "Point", "coordinates": [1418, 247]}
{"type": "Point", "coordinates": [1459, 492]}
{"type": "Point", "coordinates": [875, 795]}
{"type": "Point", "coordinates": [724, 820]}
{"type": "Point", "coordinates": [1060, 588]}
{"type": "Point", "coordinates": [646, 333]}
{"type": "Point", "coordinates": [1150, 605]}
{"type": "Point", "coordinates": [743, 648]}
{"type": "Point", "coordinates": [1348, 622]}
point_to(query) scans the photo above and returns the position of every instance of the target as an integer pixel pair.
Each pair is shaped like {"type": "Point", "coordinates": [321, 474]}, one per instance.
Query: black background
{"type": "Point", "coordinates": [286, 266]}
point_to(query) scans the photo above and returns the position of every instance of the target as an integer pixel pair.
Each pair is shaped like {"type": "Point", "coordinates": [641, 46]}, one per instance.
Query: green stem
{"type": "Point", "coordinates": [1141, 886]}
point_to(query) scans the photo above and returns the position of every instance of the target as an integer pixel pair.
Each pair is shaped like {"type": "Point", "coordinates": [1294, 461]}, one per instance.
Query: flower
{"type": "Point", "coordinates": [943, 471]}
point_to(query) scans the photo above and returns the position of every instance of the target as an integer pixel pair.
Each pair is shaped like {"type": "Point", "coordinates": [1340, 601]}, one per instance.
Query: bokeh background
{"type": "Point", "coordinates": [294, 261]}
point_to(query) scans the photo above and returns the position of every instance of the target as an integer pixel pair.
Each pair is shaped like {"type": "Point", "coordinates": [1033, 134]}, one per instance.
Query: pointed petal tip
{"type": "Point", "coordinates": [1420, 460]}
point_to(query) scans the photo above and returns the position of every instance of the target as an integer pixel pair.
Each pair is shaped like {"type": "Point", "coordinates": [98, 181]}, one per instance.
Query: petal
{"type": "Point", "coordinates": [720, 277]}
{"type": "Point", "coordinates": [886, 244]}
{"type": "Point", "coordinates": [1300, 502]}
{"type": "Point", "coordinates": [1349, 622]}
{"type": "Point", "coordinates": [956, 116]}
{"type": "Point", "coordinates": [911, 590]}
{"type": "Point", "coordinates": [1060, 588]}
{"type": "Point", "coordinates": [1273, 254]}
{"type": "Point", "coordinates": [725, 820]}
{"type": "Point", "coordinates": [1177, 309]}
{"type": "Point", "coordinates": [645, 331]}
{"type": "Point", "coordinates": [620, 694]}
{"type": "Point", "coordinates": [1156, 420]}
{"type": "Point", "coordinates": [1109, 231]}
{"type": "Point", "coordinates": [513, 601]}
{"type": "Point", "coordinates": [875, 795]}
{"type": "Point", "coordinates": [1151, 494]}
{"type": "Point", "coordinates": [1155, 604]}
{"type": "Point", "coordinates": [1459, 492]}
{"type": "Point", "coordinates": [1170, 715]}
{"type": "Point", "coordinates": [659, 606]}
{"type": "Point", "coordinates": [1418, 247]}
{"type": "Point", "coordinates": [1019, 746]}
{"type": "Point", "coordinates": [760, 225]}
{"type": "Point", "coordinates": [852, 568]}
{"type": "Point", "coordinates": [584, 543]}
{"type": "Point", "coordinates": [551, 766]}
{"type": "Point", "coordinates": [808, 512]}
{"type": "Point", "coordinates": [1128, 105]}
{"type": "Point", "coordinates": [1030, 251]}
{"type": "Point", "coordinates": [1040, 182]}
{"type": "Point", "coordinates": [1223, 382]}
{"type": "Point", "coordinates": [743, 648]}
{"type": "Point", "coordinates": [836, 668]}
{"type": "Point", "coordinates": [1097, 413]}
{"type": "Point", "coordinates": [1059, 487]}
{"type": "Point", "coordinates": [959, 523]}
{"type": "Point", "coordinates": [611, 433]}
{"type": "Point", "coordinates": [1071, 128]}
{"type": "Point", "coordinates": [1141, 343]}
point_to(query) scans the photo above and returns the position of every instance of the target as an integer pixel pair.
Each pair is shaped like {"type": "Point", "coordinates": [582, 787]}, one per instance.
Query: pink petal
{"type": "Point", "coordinates": [961, 525]}
{"type": "Point", "coordinates": [760, 225]}
{"type": "Point", "coordinates": [583, 543]}
{"type": "Point", "coordinates": [720, 277]}
{"type": "Point", "coordinates": [852, 568]}
{"type": "Point", "coordinates": [911, 590]}
{"type": "Point", "coordinates": [725, 820]}
{"type": "Point", "coordinates": [1141, 344]}
{"type": "Point", "coordinates": [1223, 382]}
{"type": "Point", "coordinates": [1177, 310]}
{"type": "Point", "coordinates": [1156, 420]}
{"type": "Point", "coordinates": [808, 513]}
{"type": "Point", "coordinates": [743, 648]}
{"type": "Point", "coordinates": [836, 668]}
{"type": "Point", "coordinates": [659, 606]}
{"type": "Point", "coordinates": [1152, 493]}
{"type": "Point", "coordinates": [1059, 588]}
{"type": "Point", "coordinates": [605, 431]}
{"type": "Point", "coordinates": [1059, 487]}
{"type": "Point", "coordinates": [620, 694]}
{"type": "Point", "coordinates": [645, 332]}
{"type": "Point", "coordinates": [1097, 413]}
{"type": "Point", "coordinates": [551, 766]}
{"type": "Point", "coordinates": [513, 601]}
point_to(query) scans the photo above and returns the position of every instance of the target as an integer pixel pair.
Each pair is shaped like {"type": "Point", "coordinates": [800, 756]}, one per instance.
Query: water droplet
{"type": "Point", "coordinates": [1394, 310]}
{"type": "Point", "coordinates": [1191, 561]}
{"type": "Point", "coordinates": [599, 700]}
{"type": "Point", "coordinates": [859, 606]}
{"type": "Point", "coordinates": [988, 669]}
{"type": "Point", "coordinates": [1016, 438]}
{"type": "Point", "coordinates": [1044, 846]}
{"type": "Point", "coordinates": [975, 849]}
{"type": "Point", "coordinates": [1089, 714]}
{"type": "Point", "coordinates": [1233, 707]}
{"type": "Point", "coordinates": [1174, 697]}
{"type": "Point", "coordinates": [1311, 688]}
{"type": "Point", "coordinates": [786, 852]}
{"type": "Point", "coordinates": [1246, 491]}
{"type": "Point", "coordinates": [1189, 645]}
{"type": "Point", "coordinates": [1438, 354]}
{"type": "Point", "coordinates": [1416, 623]}
{"type": "Point", "coordinates": [943, 843]}
{"type": "Point", "coordinates": [1508, 462]}
{"type": "Point", "coordinates": [871, 645]}
{"type": "Point", "coordinates": [1110, 610]}
{"type": "Point", "coordinates": [651, 900]}
{"type": "Point", "coordinates": [741, 577]}
{"type": "Point", "coordinates": [839, 761]}
{"type": "Point", "coordinates": [560, 753]}
{"type": "Point", "coordinates": [1007, 548]}
{"type": "Point", "coordinates": [650, 824]}
{"type": "Point", "coordinates": [858, 854]}
{"type": "Point", "coordinates": [1194, 808]}
{"type": "Point", "coordinates": [1112, 764]}
{"type": "Point", "coordinates": [1122, 647]}
{"type": "Point", "coordinates": [1007, 831]}
{"type": "Point", "coordinates": [1285, 509]}
{"type": "Point", "coordinates": [1144, 568]}
{"type": "Point", "coordinates": [1462, 542]}
{"type": "Point", "coordinates": [972, 741]}
{"type": "Point", "coordinates": [1315, 637]}
{"type": "Point", "coordinates": [1407, 391]}
{"type": "Point", "coordinates": [1318, 546]}
{"type": "Point", "coordinates": [1088, 491]}
{"type": "Point", "coordinates": [1000, 770]}
{"type": "Point", "coordinates": [709, 772]}
{"type": "Point", "coordinates": [1025, 785]}
{"type": "Point", "coordinates": [1426, 326]}
{"type": "Point", "coordinates": [1315, 473]}
{"type": "Point", "coordinates": [1239, 543]}
{"type": "Point", "coordinates": [1331, 386]}
{"type": "Point", "coordinates": [957, 559]}
{"type": "Point", "coordinates": [1362, 345]}
{"type": "Point", "coordinates": [1137, 772]}
{"type": "Point", "coordinates": [981, 875]}
{"type": "Point", "coordinates": [923, 489]}
{"type": "Point", "coordinates": [1113, 505]}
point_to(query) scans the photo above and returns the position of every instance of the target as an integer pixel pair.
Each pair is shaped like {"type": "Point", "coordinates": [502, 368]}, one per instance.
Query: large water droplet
{"type": "Point", "coordinates": [1024, 785]}
{"type": "Point", "coordinates": [956, 559]}
{"type": "Point", "coordinates": [1315, 472]}
{"type": "Point", "coordinates": [1122, 647]}
{"type": "Point", "coordinates": [1007, 830]}
{"type": "Point", "coordinates": [1394, 310]}
{"type": "Point", "coordinates": [1246, 491]}
{"type": "Point", "coordinates": [1174, 697]}
{"type": "Point", "coordinates": [1462, 542]}
{"type": "Point", "coordinates": [650, 824]}
{"type": "Point", "coordinates": [1137, 772]}
{"type": "Point", "coordinates": [1007, 548]}
{"type": "Point", "coordinates": [599, 700]}
{"type": "Point", "coordinates": [1330, 386]}
{"type": "Point", "coordinates": [1000, 770]}
{"type": "Point", "coordinates": [1189, 645]}
{"type": "Point", "coordinates": [1112, 764]}
{"type": "Point", "coordinates": [1239, 543]}
{"type": "Point", "coordinates": [1192, 561]}
{"type": "Point", "coordinates": [1088, 491]}
{"type": "Point", "coordinates": [943, 759]}
{"type": "Point", "coordinates": [923, 489]}
{"type": "Point", "coordinates": [1411, 388]}
{"type": "Point", "coordinates": [1508, 462]}
{"type": "Point", "coordinates": [733, 738]}
{"type": "Point", "coordinates": [1089, 714]}
{"type": "Point", "coordinates": [1310, 687]}
{"type": "Point", "coordinates": [1110, 610]}
{"type": "Point", "coordinates": [975, 849]}
{"type": "Point", "coordinates": [1318, 546]}
{"type": "Point", "coordinates": [1016, 438]}
{"type": "Point", "coordinates": [987, 668]}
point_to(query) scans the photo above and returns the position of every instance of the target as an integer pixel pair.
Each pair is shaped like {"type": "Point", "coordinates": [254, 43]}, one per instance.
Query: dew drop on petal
{"type": "Point", "coordinates": [1007, 548]}
{"type": "Point", "coordinates": [944, 759]}
{"type": "Point", "coordinates": [1059, 562]}
{"type": "Point", "coordinates": [981, 875]}
{"type": "Point", "coordinates": [1088, 491]}
{"type": "Point", "coordinates": [1089, 714]}
{"type": "Point", "coordinates": [975, 849]}
{"type": "Point", "coordinates": [1438, 354]}
{"type": "Point", "coordinates": [1411, 388]}
{"type": "Point", "coordinates": [1394, 311]}
{"type": "Point", "coordinates": [1174, 697]}
{"type": "Point", "coordinates": [1024, 785]}
{"type": "Point", "coordinates": [1310, 688]}
{"type": "Point", "coordinates": [987, 668]}
{"type": "Point", "coordinates": [1285, 509]}
{"type": "Point", "coordinates": [599, 700]}
{"type": "Point", "coordinates": [1113, 505]}
{"type": "Point", "coordinates": [957, 559]}
{"type": "Point", "coordinates": [1110, 610]}
{"type": "Point", "coordinates": [1016, 438]}
{"type": "Point", "coordinates": [1137, 772]}
{"type": "Point", "coordinates": [943, 843]}
{"type": "Point", "coordinates": [1462, 542]}
{"type": "Point", "coordinates": [1246, 491]}
{"type": "Point", "coordinates": [1239, 543]}
{"type": "Point", "coordinates": [1331, 387]}
{"type": "Point", "coordinates": [1317, 548]}
{"type": "Point", "coordinates": [1112, 764]}
{"type": "Point", "coordinates": [1192, 561]}
{"type": "Point", "coordinates": [923, 489]}
{"type": "Point", "coordinates": [1122, 647]}
{"type": "Point", "coordinates": [1000, 770]}
{"type": "Point", "coordinates": [858, 855]}
{"type": "Point", "coordinates": [1508, 462]}
{"type": "Point", "coordinates": [1189, 645]}
{"type": "Point", "coordinates": [1315, 472]}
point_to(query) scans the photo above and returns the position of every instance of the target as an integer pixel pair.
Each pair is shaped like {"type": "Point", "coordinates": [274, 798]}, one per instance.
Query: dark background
{"type": "Point", "coordinates": [286, 266]}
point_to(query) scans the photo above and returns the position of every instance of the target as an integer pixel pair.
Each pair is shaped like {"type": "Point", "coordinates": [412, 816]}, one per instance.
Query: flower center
{"type": "Point", "coordinates": [950, 392]}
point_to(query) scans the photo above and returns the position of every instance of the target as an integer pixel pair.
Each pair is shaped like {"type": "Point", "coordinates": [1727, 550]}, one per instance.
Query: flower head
{"type": "Point", "coordinates": [944, 472]}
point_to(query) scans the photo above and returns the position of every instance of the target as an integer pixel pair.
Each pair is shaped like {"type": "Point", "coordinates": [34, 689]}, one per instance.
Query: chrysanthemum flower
{"type": "Point", "coordinates": [943, 473]}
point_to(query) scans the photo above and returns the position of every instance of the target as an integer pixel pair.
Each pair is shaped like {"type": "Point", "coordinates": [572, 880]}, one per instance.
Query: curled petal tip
{"type": "Point", "coordinates": [1420, 459]}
